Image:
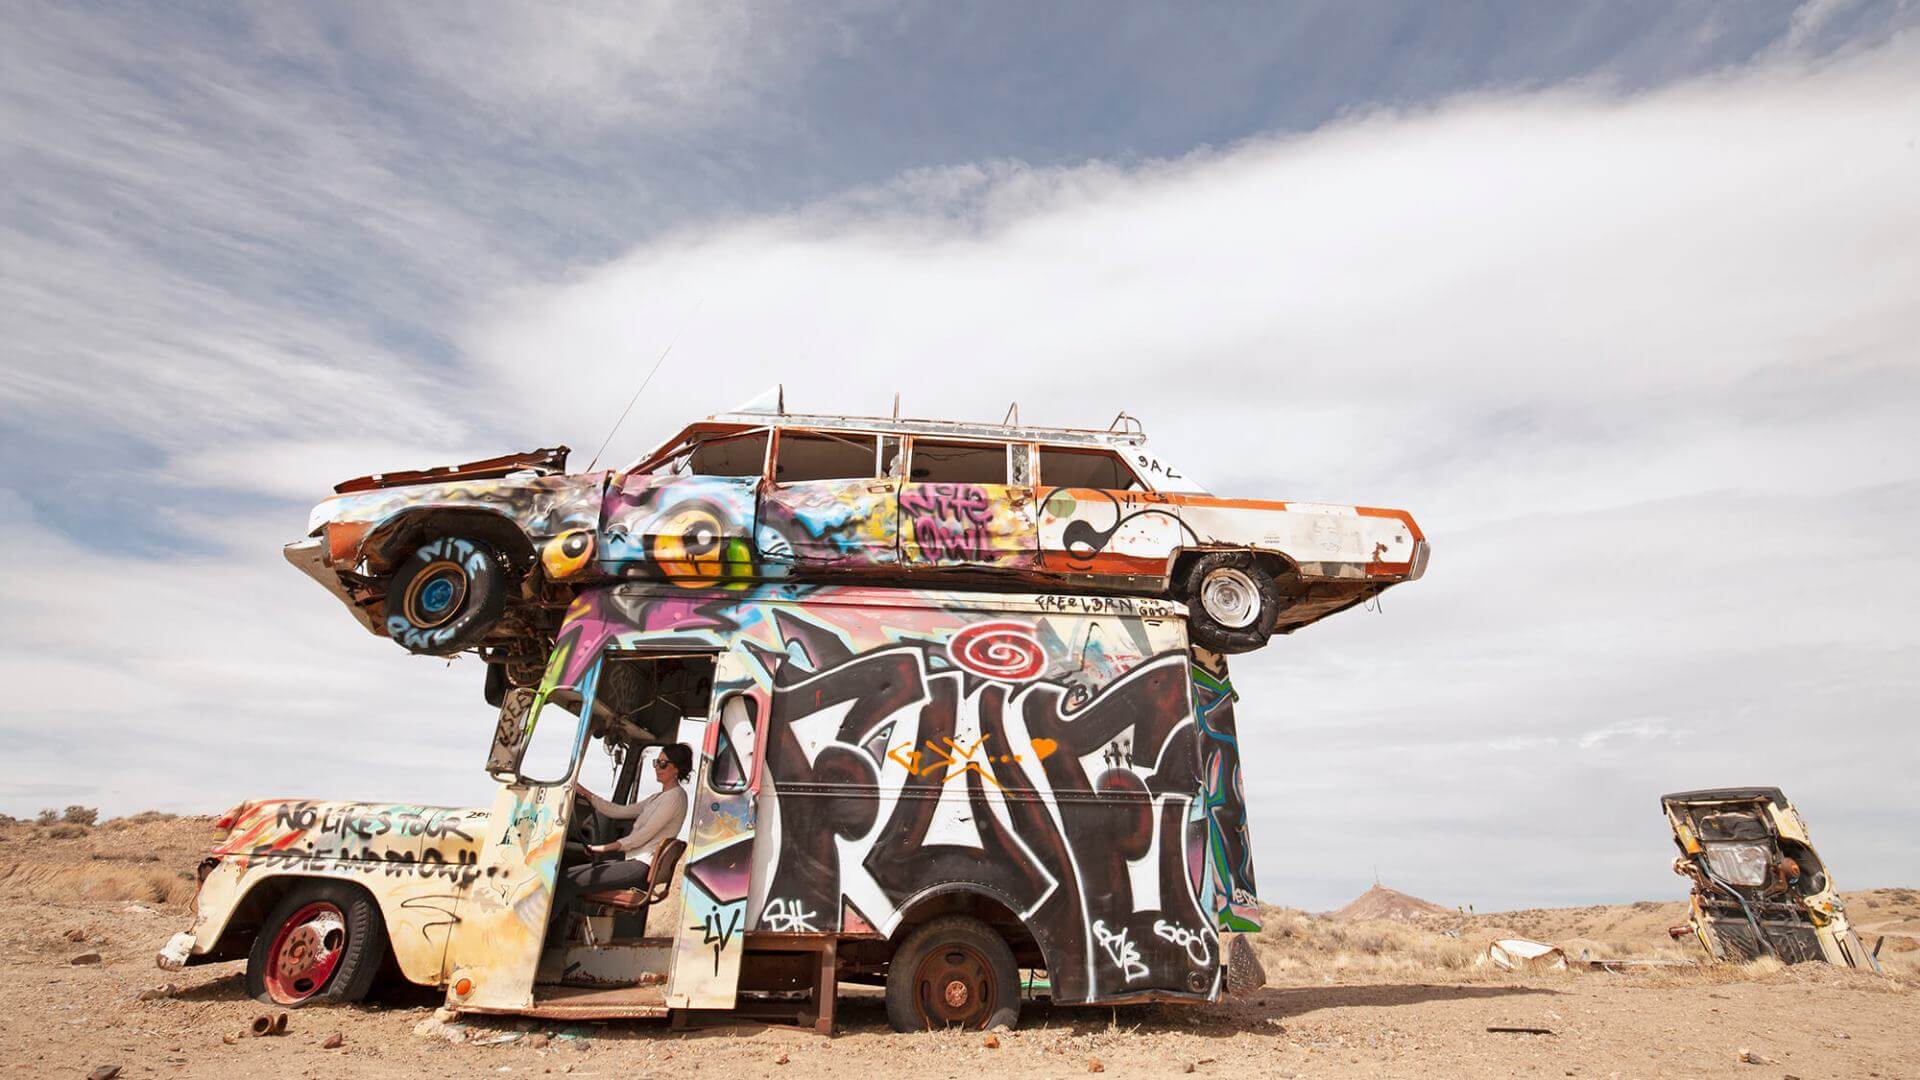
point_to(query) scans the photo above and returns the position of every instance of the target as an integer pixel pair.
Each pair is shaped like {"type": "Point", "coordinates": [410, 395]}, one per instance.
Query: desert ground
{"type": "Point", "coordinates": [1390, 986]}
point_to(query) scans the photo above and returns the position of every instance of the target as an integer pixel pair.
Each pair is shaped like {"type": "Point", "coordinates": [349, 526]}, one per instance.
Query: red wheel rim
{"type": "Point", "coordinates": [305, 952]}
{"type": "Point", "coordinates": [954, 986]}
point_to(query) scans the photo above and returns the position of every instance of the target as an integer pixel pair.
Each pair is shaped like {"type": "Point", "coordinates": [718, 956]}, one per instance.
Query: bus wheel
{"type": "Point", "coordinates": [952, 972]}
{"type": "Point", "coordinates": [324, 941]}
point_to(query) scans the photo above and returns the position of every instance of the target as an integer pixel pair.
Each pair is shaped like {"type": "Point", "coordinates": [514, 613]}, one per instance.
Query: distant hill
{"type": "Point", "coordinates": [1381, 902]}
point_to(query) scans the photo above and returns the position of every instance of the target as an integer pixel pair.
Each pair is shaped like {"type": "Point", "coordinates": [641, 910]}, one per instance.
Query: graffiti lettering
{"type": "Point", "coordinates": [1106, 605]}
{"type": "Point", "coordinates": [787, 917]}
{"type": "Point", "coordinates": [1119, 950]}
{"type": "Point", "coordinates": [951, 522]}
{"type": "Point", "coordinates": [1036, 831]}
{"type": "Point", "coordinates": [1197, 943]}
{"type": "Point", "coordinates": [717, 930]}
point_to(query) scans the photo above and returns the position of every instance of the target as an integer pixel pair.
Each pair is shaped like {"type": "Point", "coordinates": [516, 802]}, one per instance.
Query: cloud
{"type": "Point", "coordinates": [1642, 363]}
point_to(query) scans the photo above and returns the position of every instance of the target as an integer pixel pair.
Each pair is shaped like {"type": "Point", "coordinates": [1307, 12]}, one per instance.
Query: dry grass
{"type": "Point", "coordinates": [1295, 946]}
{"type": "Point", "coordinates": [99, 881]}
{"type": "Point", "coordinates": [148, 858]}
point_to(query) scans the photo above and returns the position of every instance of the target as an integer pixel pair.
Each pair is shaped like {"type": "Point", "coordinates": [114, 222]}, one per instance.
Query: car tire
{"type": "Point", "coordinates": [287, 966]}
{"type": "Point", "coordinates": [953, 972]}
{"type": "Point", "coordinates": [1232, 602]}
{"type": "Point", "coordinates": [446, 596]}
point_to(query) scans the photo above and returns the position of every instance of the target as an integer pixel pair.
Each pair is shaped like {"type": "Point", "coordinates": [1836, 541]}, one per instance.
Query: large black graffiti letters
{"type": "Point", "coordinates": [1060, 846]}
{"type": "Point", "coordinates": [877, 685]}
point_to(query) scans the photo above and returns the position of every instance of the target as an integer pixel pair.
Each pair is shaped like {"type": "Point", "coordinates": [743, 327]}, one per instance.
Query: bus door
{"type": "Point", "coordinates": [711, 937]}
{"type": "Point", "coordinates": [502, 916]}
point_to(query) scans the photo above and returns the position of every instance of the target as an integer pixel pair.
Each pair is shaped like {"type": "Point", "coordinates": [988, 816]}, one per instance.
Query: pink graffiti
{"type": "Point", "coordinates": [950, 521]}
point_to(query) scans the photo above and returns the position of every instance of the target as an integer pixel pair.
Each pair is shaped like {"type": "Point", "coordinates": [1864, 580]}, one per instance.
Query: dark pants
{"type": "Point", "coordinates": [612, 874]}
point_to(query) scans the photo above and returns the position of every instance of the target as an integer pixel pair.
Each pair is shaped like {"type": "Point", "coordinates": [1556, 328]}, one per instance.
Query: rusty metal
{"type": "Point", "coordinates": [545, 461]}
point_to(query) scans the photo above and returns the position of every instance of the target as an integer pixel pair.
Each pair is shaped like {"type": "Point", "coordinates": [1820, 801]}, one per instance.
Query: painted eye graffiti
{"type": "Point", "coordinates": [689, 545]}
{"type": "Point", "coordinates": [567, 553]}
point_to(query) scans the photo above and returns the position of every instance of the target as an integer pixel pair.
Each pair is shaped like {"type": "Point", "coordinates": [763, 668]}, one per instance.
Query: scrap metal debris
{"type": "Point", "coordinates": [1519, 954]}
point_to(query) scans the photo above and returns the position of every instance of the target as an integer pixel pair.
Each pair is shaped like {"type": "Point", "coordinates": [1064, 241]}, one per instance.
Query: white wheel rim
{"type": "Point", "coordinates": [1229, 598]}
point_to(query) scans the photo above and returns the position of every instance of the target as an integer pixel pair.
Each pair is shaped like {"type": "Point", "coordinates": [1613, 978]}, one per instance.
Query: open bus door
{"type": "Point", "coordinates": [711, 937]}
{"type": "Point", "coordinates": [501, 922]}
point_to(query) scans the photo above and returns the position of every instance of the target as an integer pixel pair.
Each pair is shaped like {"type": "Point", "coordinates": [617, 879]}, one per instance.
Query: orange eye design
{"type": "Point", "coordinates": [567, 553]}
{"type": "Point", "coordinates": [689, 544]}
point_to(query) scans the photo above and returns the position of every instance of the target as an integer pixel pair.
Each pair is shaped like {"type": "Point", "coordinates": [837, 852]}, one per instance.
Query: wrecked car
{"type": "Point", "coordinates": [1759, 889]}
{"type": "Point", "coordinates": [487, 555]}
{"type": "Point", "coordinates": [937, 793]}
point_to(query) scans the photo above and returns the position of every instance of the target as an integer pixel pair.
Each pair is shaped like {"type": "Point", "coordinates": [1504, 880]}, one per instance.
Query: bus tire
{"type": "Point", "coordinates": [952, 972]}
{"type": "Point", "coordinates": [324, 941]}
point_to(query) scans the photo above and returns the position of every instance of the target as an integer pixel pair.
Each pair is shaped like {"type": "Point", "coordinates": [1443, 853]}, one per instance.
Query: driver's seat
{"type": "Point", "coordinates": [635, 902]}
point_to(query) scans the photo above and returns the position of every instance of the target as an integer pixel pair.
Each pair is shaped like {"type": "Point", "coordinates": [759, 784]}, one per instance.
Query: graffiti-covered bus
{"type": "Point", "coordinates": [959, 797]}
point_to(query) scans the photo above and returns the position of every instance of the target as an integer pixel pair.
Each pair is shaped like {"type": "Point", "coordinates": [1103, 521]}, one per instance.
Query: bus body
{"type": "Point", "coordinates": [885, 776]}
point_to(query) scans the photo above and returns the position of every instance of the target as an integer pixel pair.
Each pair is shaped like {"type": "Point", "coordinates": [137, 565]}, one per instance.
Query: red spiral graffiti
{"type": "Point", "coordinates": [1004, 650]}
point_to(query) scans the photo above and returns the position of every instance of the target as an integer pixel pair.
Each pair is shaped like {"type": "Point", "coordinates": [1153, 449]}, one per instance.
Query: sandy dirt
{"type": "Point", "coordinates": [1346, 999]}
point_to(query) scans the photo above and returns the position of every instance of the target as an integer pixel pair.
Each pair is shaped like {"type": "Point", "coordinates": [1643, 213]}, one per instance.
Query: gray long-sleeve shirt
{"type": "Point", "coordinates": [655, 818]}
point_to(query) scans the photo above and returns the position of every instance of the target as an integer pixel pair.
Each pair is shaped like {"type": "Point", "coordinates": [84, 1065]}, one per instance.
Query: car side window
{"type": "Point", "coordinates": [735, 455]}
{"type": "Point", "coordinates": [957, 463]}
{"type": "Point", "coordinates": [806, 455]}
{"type": "Point", "coordinates": [1101, 469]}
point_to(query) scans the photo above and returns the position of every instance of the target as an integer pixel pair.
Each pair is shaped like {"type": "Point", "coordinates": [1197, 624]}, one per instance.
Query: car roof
{"type": "Point", "coordinates": [1125, 437]}
{"type": "Point", "coordinates": [1735, 794]}
{"type": "Point", "coordinates": [1129, 436]}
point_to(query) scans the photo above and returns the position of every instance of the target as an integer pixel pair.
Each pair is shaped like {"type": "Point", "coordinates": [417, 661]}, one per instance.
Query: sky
{"type": "Point", "coordinates": [1621, 300]}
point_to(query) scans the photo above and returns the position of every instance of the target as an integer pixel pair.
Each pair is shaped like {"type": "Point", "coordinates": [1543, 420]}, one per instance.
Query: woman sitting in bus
{"type": "Point", "coordinates": [655, 818]}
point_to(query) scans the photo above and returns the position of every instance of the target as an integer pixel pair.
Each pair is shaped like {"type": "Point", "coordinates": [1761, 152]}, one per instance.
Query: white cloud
{"type": "Point", "coordinates": [1643, 365]}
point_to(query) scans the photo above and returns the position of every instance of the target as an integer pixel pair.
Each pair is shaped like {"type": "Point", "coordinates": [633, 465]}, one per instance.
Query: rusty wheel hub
{"type": "Point", "coordinates": [954, 987]}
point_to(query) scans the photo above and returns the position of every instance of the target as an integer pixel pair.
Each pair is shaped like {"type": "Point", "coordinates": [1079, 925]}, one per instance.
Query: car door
{"type": "Point", "coordinates": [828, 503]}
{"type": "Point", "coordinates": [501, 922]}
{"type": "Point", "coordinates": [1096, 517]}
{"type": "Point", "coordinates": [690, 520]}
{"type": "Point", "coordinates": [967, 504]}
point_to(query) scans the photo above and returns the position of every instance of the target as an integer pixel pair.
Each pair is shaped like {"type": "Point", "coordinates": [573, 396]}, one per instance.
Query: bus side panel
{"type": "Point", "coordinates": [1051, 762]}
{"type": "Point", "coordinates": [1234, 901]}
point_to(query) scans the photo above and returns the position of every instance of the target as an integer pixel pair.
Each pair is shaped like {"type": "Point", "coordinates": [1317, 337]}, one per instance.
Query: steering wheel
{"type": "Point", "coordinates": [580, 823]}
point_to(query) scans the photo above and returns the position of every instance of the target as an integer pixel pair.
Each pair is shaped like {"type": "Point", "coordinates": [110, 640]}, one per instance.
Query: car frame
{"type": "Point", "coordinates": [1759, 888]}
{"type": "Point", "coordinates": [488, 555]}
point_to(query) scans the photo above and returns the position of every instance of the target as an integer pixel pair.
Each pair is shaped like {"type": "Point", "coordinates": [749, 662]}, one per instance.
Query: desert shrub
{"type": "Point", "coordinates": [66, 831]}
{"type": "Point", "coordinates": [147, 817]}
{"type": "Point", "coordinates": [80, 815]}
{"type": "Point", "coordinates": [47, 817]}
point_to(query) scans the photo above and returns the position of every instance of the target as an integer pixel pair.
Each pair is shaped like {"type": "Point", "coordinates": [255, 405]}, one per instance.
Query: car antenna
{"type": "Point", "coordinates": [643, 386]}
